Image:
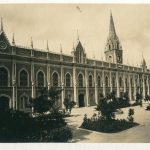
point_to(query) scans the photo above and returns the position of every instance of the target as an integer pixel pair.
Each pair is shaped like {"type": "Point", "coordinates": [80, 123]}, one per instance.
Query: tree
{"type": "Point", "coordinates": [130, 115]}
{"type": "Point", "coordinates": [46, 100]}
{"type": "Point", "coordinates": [107, 106]}
{"type": "Point", "coordinates": [52, 123]}
{"type": "Point", "coordinates": [138, 97]}
{"type": "Point", "coordinates": [69, 104]}
{"type": "Point", "coordinates": [126, 97]}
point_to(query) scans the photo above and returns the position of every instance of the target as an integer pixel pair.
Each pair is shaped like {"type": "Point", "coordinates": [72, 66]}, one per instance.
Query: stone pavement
{"type": "Point", "coordinates": [138, 134]}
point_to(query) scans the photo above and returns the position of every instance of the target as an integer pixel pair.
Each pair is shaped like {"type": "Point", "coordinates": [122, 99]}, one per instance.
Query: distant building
{"type": "Point", "coordinates": [24, 71]}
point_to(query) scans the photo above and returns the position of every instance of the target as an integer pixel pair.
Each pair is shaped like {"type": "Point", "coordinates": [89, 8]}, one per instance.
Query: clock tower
{"type": "Point", "coordinates": [113, 49]}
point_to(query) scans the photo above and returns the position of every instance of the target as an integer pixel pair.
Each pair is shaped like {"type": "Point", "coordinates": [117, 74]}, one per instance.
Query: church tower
{"type": "Point", "coordinates": [113, 49]}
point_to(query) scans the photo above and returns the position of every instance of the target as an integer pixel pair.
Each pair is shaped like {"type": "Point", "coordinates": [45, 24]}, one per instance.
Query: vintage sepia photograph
{"type": "Point", "coordinates": [74, 73]}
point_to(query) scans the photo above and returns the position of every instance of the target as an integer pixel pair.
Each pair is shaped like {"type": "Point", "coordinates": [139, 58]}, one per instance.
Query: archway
{"type": "Point", "coordinates": [4, 103]}
{"type": "Point", "coordinates": [81, 100]}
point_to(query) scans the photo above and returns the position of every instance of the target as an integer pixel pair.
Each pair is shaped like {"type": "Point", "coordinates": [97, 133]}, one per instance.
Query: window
{"type": "Point", "coordinates": [40, 79]}
{"type": "Point", "coordinates": [23, 78]}
{"type": "Point", "coordinates": [106, 81]}
{"type": "Point", "coordinates": [80, 80]}
{"type": "Point", "coordinates": [3, 77]}
{"type": "Point", "coordinates": [90, 81]}
{"type": "Point", "coordinates": [99, 81]}
{"type": "Point", "coordinates": [109, 47]}
{"type": "Point", "coordinates": [55, 79]}
{"type": "Point", "coordinates": [68, 80]}
{"type": "Point", "coordinates": [126, 82]}
{"type": "Point", "coordinates": [120, 82]}
{"type": "Point", "coordinates": [113, 82]}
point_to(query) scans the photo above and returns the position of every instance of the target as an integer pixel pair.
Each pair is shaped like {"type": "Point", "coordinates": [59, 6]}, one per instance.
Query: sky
{"type": "Point", "coordinates": [59, 23]}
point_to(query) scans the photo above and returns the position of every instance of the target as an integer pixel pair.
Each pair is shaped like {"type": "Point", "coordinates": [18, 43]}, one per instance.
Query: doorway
{"type": "Point", "coordinates": [81, 100]}
{"type": "Point", "coordinates": [4, 103]}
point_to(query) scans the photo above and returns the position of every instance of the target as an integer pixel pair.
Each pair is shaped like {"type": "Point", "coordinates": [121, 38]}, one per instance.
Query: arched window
{"type": "Point", "coordinates": [109, 47]}
{"type": "Point", "coordinates": [3, 77]}
{"type": "Point", "coordinates": [55, 79]}
{"type": "Point", "coordinates": [136, 82]}
{"type": "Point", "coordinates": [106, 81]}
{"type": "Point", "coordinates": [113, 82]}
{"type": "Point", "coordinates": [68, 80]}
{"type": "Point", "coordinates": [126, 82]}
{"type": "Point", "coordinates": [120, 82]}
{"type": "Point", "coordinates": [99, 81]}
{"type": "Point", "coordinates": [23, 78]}
{"type": "Point", "coordinates": [90, 81]}
{"type": "Point", "coordinates": [80, 80]}
{"type": "Point", "coordinates": [40, 79]}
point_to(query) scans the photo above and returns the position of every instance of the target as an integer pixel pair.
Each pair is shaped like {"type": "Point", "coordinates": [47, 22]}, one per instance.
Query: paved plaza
{"type": "Point", "coordinates": [138, 134]}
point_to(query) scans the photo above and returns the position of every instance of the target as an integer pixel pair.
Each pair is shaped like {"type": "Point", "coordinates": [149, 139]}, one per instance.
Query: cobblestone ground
{"type": "Point", "coordinates": [138, 134]}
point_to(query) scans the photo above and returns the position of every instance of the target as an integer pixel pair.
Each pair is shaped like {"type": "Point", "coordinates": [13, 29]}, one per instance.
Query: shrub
{"type": "Point", "coordinates": [62, 134]}
{"type": "Point", "coordinates": [107, 126]}
{"type": "Point", "coordinates": [99, 123]}
{"type": "Point", "coordinates": [135, 104]}
{"type": "Point", "coordinates": [148, 107]}
{"type": "Point", "coordinates": [69, 104]}
{"type": "Point", "coordinates": [130, 115]}
{"type": "Point", "coordinates": [109, 104]}
{"type": "Point", "coordinates": [16, 126]}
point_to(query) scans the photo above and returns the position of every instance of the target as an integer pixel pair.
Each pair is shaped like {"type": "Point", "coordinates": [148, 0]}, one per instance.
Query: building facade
{"type": "Point", "coordinates": [23, 71]}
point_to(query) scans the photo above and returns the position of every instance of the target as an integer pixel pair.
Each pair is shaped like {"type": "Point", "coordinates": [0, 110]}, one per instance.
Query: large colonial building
{"type": "Point", "coordinates": [23, 71]}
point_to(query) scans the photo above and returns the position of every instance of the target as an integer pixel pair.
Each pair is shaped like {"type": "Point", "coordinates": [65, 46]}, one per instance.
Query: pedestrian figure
{"type": "Point", "coordinates": [141, 103]}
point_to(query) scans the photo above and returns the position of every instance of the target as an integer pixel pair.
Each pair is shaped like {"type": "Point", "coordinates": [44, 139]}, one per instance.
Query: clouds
{"type": "Point", "coordinates": [59, 23]}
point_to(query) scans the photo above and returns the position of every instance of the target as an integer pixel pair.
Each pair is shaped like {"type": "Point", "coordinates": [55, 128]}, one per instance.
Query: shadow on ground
{"type": "Point", "coordinates": [79, 134]}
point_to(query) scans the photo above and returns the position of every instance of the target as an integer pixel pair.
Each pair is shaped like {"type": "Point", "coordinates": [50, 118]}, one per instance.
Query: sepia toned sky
{"type": "Point", "coordinates": [58, 23]}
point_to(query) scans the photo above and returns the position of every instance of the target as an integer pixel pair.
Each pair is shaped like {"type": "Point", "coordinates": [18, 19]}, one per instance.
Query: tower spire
{"type": "Point", "coordinates": [77, 35]}
{"type": "Point", "coordinates": [60, 48]}
{"type": "Point", "coordinates": [113, 49]}
{"type": "Point", "coordinates": [31, 42]}
{"type": "Point", "coordinates": [112, 31]}
{"type": "Point", "coordinates": [1, 24]}
{"type": "Point", "coordinates": [47, 46]}
{"type": "Point", "coordinates": [13, 40]}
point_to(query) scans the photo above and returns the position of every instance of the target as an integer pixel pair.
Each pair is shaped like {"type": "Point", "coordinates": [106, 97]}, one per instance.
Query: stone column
{"type": "Point", "coordinates": [48, 76]}
{"type": "Point", "coordinates": [117, 81]}
{"type": "Point", "coordinates": [32, 80]}
{"type": "Point", "coordinates": [32, 83]}
{"type": "Point", "coordinates": [86, 87]}
{"type": "Point", "coordinates": [14, 98]}
{"type": "Point", "coordinates": [95, 83]}
{"type": "Point", "coordinates": [148, 91]}
{"type": "Point", "coordinates": [134, 86]}
{"type": "Point", "coordinates": [138, 84]}
{"type": "Point", "coordinates": [104, 89]}
{"type": "Point", "coordinates": [75, 85]}
{"type": "Point", "coordinates": [130, 94]}
{"type": "Point", "coordinates": [143, 86]}
{"type": "Point", "coordinates": [111, 88]}
{"type": "Point", "coordinates": [62, 85]}
{"type": "Point", "coordinates": [124, 83]}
